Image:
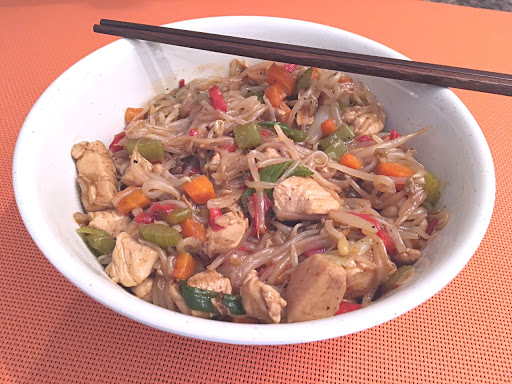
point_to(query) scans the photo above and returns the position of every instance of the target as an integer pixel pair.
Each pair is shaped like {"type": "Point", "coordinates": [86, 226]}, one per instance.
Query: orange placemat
{"type": "Point", "coordinates": [50, 332]}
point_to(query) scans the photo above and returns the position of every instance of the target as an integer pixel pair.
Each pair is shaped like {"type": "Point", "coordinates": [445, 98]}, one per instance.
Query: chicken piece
{"type": "Point", "coordinates": [359, 279]}
{"type": "Point", "coordinates": [210, 281]}
{"type": "Point", "coordinates": [410, 256]}
{"type": "Point", "coordinates": [260, 300]}
{"type": "Point", "coordinates": [299, 195]}
{"type": "Point", "coordinates": [131, 262]}
{"type": "Point", "coordinates": [138, 171]}
{"type": "Point", "coordinates": [109, 221]}
{"type": "Point", "coordinates": [315, 290]}
{"type": "Point", "coordinates": [229, 237]}
{"type": "Point", "coordinates": [144, 290]}
{"type": "Point", "coordinates": [306, 114]}
{"type": "Point", "coordinates": [365, 120]}
{"type": "Point", "coordinates": [271, 152]}
{"type": "Point", "coordinates": [96, 175]}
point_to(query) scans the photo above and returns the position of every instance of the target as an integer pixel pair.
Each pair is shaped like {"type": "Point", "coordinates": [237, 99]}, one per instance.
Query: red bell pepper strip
{"type": "Point", "coordinates": [145, 218]}
{"type": "Point", "coordinates": [259, 222]}
{"type": "Point", "coordinates": [432, 225]}
{"type": "Point", "coordinates": [360, 139]}
{"type": "Point", "coordinates": [381, 232]}
{"type": "Point", "coordinates": [217, 99]}
{"type": "Point", "coordinates": [394, 135]}
{"type": "Point", "coordinates": [214, 213]}
{"type": "Point", "coordinates": [181, 83]}
{"type": "Point", "coordinates": [346, 306]}
{"type": "Point", "coordinates": [193, 132]}
{"type": "Point", "coordinates": [162, 209]}
{"type": "Point", "coordinates": [290, 67]}
{"type": "Point", "coordinates": [114, 146]}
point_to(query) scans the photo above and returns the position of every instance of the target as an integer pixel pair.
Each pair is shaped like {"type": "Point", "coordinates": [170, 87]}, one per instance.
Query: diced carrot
{"type": "Point", "coordinates": [284, 107]}
{"type": "Point", "coordinates": [394, 170]}
{"type": "Point", "coordinates": [328, 127]}
{"type": "Point", "coordinates": [349, 160]}
{"type": "Point", "coordinates": [345, 79]}
{"type": "Point", "coordinates": [130, 114]}
{"type": "Point", "coordinates": [315, 74]}
{"type": "Point", "coordinates": [134, 199]}
{"type": "Point", "coordinates": [184, 267]}
{"type": "Point", "coordinates": [275, 95]}
{"type": "Point", "coordinates": [200, 189]}
{"type": "Point", "coordinates": [191, 228]}
{"type": "Point", "coordinates": [279, 75]}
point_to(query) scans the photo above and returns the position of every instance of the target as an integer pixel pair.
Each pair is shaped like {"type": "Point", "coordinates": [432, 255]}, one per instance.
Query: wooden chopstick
{"type": "Point", "coordinates": [463, 78]}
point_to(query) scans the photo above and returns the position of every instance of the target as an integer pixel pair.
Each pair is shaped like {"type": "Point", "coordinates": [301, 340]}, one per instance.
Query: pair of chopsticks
{"type": "Point", "coordinates": [462, 78]}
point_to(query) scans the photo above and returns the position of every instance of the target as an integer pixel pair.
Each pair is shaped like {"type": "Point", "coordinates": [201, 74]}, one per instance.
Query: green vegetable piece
{"type": "Point", "coordinates": [99, 241]}
{"type": "Point", "coordinates": [177, 215]}
{"type": "Point", "coordinates": [150, 149]}
{"type": "Point", "coordinates": [273, 172]}
{"type": "Point", "coordinates": [292, 133]}
{"type": "Point", "coordinates": [397, 278]}
{"type": "Point", "coordinates": [343, 133]}
{"type": "Point", "coordinates": [258, 94]}
{"type": "Point", "coordinates": [432, 188]}
{"type": "Point", "coordinates": [160, 235]}
{"type": "Point", "coordinates": [336, 150]}
{"type": "Point", "coordinates": [245, 197]}
{"type": "Point", "coordinates": [305, 80]}
{"type": "Point", "coordinates": [302, 171]}
{"type": "Point", "coordinates": [248, 136]}
{"type": "Point", "coordinates": [201, 300]}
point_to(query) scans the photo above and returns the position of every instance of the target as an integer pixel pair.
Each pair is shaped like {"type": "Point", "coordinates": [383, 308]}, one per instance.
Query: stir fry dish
{"type": "Point", "coordinates": [272, 195]}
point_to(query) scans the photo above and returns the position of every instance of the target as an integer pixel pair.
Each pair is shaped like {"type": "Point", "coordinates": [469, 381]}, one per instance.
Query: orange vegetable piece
{"type": "Point", "coordinates": [200, 189]}
{"type": "Point", "coordinates": [328, 127]}
{"type": "Point", "coordinates": [135, 199]}
{"type": "Point", "coordinates": [315, 74]}
{"type": "Point", "coordinates": [130, 114]}
{"type": "Point", "coordinates": [279, 75]}
{"type": "Point", "coordinates": [394, 170]}
{"type": "Point", "coordinates": [349, 160]}
{"type": "Point", "coordinates": [275, 95]}
{"type": "Point", "coordinates": [191, 228]}
{"type": "Point", "coordinates": [184, 267]}
{"type": "Point", "coordinates": [345, 79]}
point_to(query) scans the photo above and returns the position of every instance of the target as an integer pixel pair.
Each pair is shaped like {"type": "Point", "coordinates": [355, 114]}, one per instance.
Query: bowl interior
{"type": "Point", "coordinates": [88, 101]}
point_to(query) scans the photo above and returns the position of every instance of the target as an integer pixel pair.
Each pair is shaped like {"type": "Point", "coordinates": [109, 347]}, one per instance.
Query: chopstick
{"type": "Point", "coordinates": [441, 75]}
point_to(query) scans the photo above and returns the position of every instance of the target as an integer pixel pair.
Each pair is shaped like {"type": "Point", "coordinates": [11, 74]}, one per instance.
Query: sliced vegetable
{"type": "Point", "coordinates": [328, 127]}
{"type": "Point", "coordinates": [349, 160]}
{"type": "Point", "coordinates": [200, 189]}
{"type": "Point", "coordinates": [145, 218]}
{"type": "Point", "coordinates": [273, 172]}
{"type": "Point", "coordinates": [181, 83]}
{"type": "Point", "coordinates": [305, 80]}
{"type": "Point", "coordinates": [275, 95]}
{"type": "Point", "coordinates": [193, 132]}
{"type": "Point", "coordinates": [184, 267]}
{"type": "Point", "coordinates": [217, 99]}
{"type": "Point", "coordinates": [345, 79]}
{"type": "Point", "coordinates": [162, 209]}
{"type": "Point", "coordinates": [202, 300]}
{"type": "Point", "coordinates": [292, 133]}
{"type": "Point", "coordinates": [150, 149]}
{"type": "Point", "coordinates": [131, 113]}
{"type": "Point", "coordinates": [115, 146]}
{"type": "Point", "coordinates": [363, 138]}
{"type": "Point", "coordinates": [258, 94]}
{"type": "Point", "coordinates": [381, 232]}
{"type": "Point", "coordinates": [177, 215]}
{"type": "Point", "coordinates": [343, 133]}
{"type": "Point", "coordinates": [394, 170]}
{"type": "Point", "coordinates": [191, 228]}
{"type": "Point", "coordinates": [279, 75]}
{"type": "Point", "coordinates": [397, 278]}
{"type": "Point", "coordinates": [214, 213]}
{"type": "Point", "coordinates": [99, 241]}
{"type": "Point", "coordinates": [160, 235]}
{"type": "Point", "coordinates": [336, 150]}
{"type": "Point", "coordinates": [135, 199]}
{"type": "Point", "coordinates": [290, 67]}
{"type": "Point", "coordinates": [259, 219]}
{"type": "Point", "coordinates": [286, 109]}
{"type": "Point", "coordinates": [393, 135]}
{"type": "Point", "coordinates": [432, 185]}
{"type": "Point", "coordinates": [432, 225]}
{"type": "Point", "coordinates": [248, 136]}
{"type": "Point", "coordinates": [346, 306]}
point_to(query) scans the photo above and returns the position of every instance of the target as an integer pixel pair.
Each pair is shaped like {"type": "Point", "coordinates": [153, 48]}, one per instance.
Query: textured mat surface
{"type": "Point", "coordinates": [50, 332]}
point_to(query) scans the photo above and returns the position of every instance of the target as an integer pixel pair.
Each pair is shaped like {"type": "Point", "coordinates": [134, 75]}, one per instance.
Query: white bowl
{"type": "Point", "coordinates": [87, 102]}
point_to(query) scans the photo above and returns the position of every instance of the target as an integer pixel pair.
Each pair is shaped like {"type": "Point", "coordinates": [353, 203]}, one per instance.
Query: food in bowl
{"type": "Point", "coordinates": [272, 195]}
